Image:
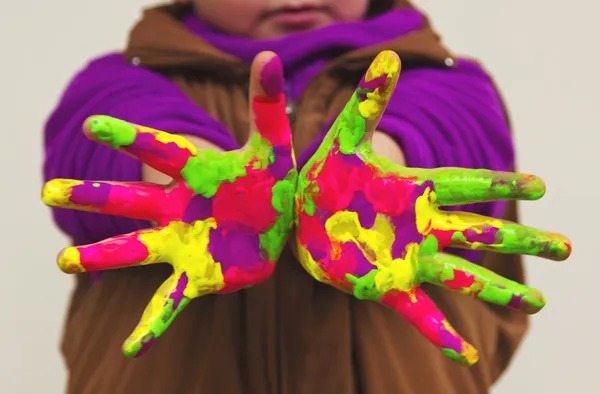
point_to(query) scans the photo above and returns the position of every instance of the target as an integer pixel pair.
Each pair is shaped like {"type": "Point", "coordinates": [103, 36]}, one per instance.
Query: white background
{"type": "Point", "coordinates": [543, 54]}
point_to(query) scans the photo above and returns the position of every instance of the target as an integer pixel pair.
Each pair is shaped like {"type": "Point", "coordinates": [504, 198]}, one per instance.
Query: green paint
{"type": "Point", "coordinates": [205, 172]}
{"type": "Point", "coordinates": [348, 130]}
{"type": "Point", "coordinates": [352, 126]}
{"type": "Point", "coordinates": [514, 238]}
{"type": "Point", "coordinates": [157, 327]}
{"type": "Point", "coordinates": [114, 131]}
{"type": "Point", "coordinates": [273, 240]}
{"type": "Point", "coordinates": [458, 236]}
{"type": "Point", "coordinates": [453, 355]}
{"type": "Point", "coordinates": [458, 186]}
{"type": "Point", "coordinates": [365, 287]}
{"type": "Point", "coordinates": [488, 286]}
{"type": "Point", "coordinates": [429, 246]}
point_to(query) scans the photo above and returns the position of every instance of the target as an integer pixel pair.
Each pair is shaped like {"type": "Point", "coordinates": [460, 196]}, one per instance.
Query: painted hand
{"type": "Point", "coordinates": [373, 229]}
{"type": "Point", "coordinates": [223, 221]}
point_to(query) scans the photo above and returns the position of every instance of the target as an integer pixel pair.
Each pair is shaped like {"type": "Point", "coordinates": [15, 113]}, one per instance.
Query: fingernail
{"type": "Point", "coordinates": [69, 261]}
{"type": "Point", "coordinates": [117, 132]}
{"type": "Point", "coordinates": [271, 77]}
{"type": "Point", "coordinates": [377, 85]}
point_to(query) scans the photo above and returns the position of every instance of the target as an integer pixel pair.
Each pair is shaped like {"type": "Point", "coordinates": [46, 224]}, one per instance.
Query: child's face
{"type": "Point", "coordinates": [274, 18]}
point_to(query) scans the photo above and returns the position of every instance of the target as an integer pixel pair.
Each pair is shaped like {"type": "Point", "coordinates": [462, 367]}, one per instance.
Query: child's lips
{"type": "Point", "coordinates": [298, 17]}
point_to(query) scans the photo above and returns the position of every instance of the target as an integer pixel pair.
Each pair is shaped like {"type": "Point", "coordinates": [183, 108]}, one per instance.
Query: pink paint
{"type": "Point", "coordinates": [246, 202]}
{"type": "Point", "coordinates": [271, 120]}
{"type": "Point", "coordinates": [461, 280]}
{"type": "Point", "coordinates": [118, 252]}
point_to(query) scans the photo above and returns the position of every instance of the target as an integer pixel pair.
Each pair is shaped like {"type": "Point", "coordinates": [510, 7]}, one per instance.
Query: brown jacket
{"type": "Point", "coordinates": [290, 335]}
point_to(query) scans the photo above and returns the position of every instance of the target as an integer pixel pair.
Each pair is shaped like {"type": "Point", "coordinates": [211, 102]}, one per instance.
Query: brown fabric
{"type": "Point", "coordinates": [290, 335]}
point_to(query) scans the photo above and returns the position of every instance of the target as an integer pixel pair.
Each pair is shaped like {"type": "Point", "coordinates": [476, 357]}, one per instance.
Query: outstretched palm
{"type": "Point", "coordinates": [373, 229]}
{"type": "Point", "coordinates": [223, 221]}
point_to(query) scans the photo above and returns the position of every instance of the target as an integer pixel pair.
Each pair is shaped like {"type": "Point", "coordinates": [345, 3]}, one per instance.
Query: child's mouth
{"type": "Point", "coordinates": [298, 17]}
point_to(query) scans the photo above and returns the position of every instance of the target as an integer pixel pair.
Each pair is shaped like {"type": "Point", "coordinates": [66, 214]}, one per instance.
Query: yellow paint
{"type": "Point", "coordinates": [388, 64]}
{"type": "Point", "coordinates": [69, 261]}
{"type": "Point", "coordinates": [430, 218]}
{"type": "Point", "coordinates": [152, 312]}
{"type": "Point", "coordinates": [376, 245]}
{"type": "Point", "coordinates": [166, 138]}
{"type": "Point", "coordinates": [310, 265]}
{"type": "Point", "coordinates": [57, 193]}
{"type": "Point", "coordinates": [185, 247]}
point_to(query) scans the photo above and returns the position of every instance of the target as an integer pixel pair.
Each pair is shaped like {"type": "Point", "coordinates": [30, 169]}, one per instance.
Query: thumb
{"type": "Point", "coordinates": [268, 117]}
{"type": "Point", "coordinates": [359, 119]}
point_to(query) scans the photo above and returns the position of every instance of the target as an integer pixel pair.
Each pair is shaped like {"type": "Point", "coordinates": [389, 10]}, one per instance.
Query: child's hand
{"type": "Point", "coordinates": [372, 228]}
{"type": "Point", "coordinates": [223, 222]}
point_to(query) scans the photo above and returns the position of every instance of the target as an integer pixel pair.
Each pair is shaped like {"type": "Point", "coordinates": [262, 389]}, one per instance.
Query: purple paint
{"type": "Point", "coordinates": [487, 235]}
{"type": "Point", "coordinates": [177, 294]}
{"type": "Point", "coordinates": [234, 248]}
{"type": "Point", "coordinates": [364, 209]}
{"type": "Point", "coordinates": [407, 221]}
{"type": "Point", "coordinates": [450, 341]}
{"type": "Point", "coordinates": [319, 249]}
{"type": "Point", "coordinates": [199, 208]}
{"type": "Point", "coordinates": [515, 302]}
{"type": "Point", "coordinates": [147, 343]}
{"type": "Point", "coordinates": [363, 266]}
{"type": "Point", "coordinates": [282, 163]}
{"type": "Point", "coordinates": [89, 195]}
{"type": "Point", "coordinates": [271, 77]}
{"type": "Point", "coordinates": [146, 144]}
{"type": "Point", "coordinates": [350, 160]}
{"type": "Point", "coordinates": [370, 86]}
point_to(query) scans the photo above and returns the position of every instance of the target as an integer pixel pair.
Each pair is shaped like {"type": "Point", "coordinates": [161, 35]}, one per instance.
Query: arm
{"type": "Point", "coordinates": [455, 118]}
{"type": "Point", "coordinates": [109, 86]}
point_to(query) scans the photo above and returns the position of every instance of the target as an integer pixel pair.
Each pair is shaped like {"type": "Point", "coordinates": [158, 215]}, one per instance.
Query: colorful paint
{"type": "Point", "coordinates": [219, 207]}
{"type": "Point", "coordinates": [374, 229]}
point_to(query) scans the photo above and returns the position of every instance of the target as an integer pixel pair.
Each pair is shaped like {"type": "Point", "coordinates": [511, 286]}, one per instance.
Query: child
{"type": "Point", "coordinates": [185, 71]}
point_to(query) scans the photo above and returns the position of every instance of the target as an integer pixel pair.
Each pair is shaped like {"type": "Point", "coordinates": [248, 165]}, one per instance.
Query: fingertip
{"type": "Point", "coordinates": [56, 192]}
{"type": "Point", "coordinates": [268, 69]}
{"type": "Point", "coordinates": [533, 187]}
{"type": "Point", "coordinates": [69, 261]}
{"type": "Point", "coordinates": [110, 130]}
{"type": "Point", "coordinates": [137, 344]}
{"type": "Point", "coordinates": [378, 84]}
{"type": "Point", "coordinates": [534, 301]}
{"type": "Point", "coordinates": [563, 250]}
{"type": "Point", "coordinates": [468, 355]}
{"type": "Point", "coordinates": [93, 124]}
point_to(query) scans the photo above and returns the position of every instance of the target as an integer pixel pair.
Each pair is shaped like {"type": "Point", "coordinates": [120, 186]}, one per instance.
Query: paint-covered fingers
{"type": "Point", "coordinates": [458, 186]}
{"type": "Point", "coordinates": [165, 152]}
{"type": "Point", "coordinates": [460, 275]}
{"type": "Point", "coordinates": [138, 248]}
{"type": "Point", "coordinates": [416, 307]}
{"type": "Point", "coordinates": [359, 118]}
{"type": "Point", "coordinates": [471, 231]}
{"type": "Point", "coordinates": [136, 200]}
{"type": "Point", "coordinates": [168, 301]}
{"type": "Point", "coordinates": [269, 118]}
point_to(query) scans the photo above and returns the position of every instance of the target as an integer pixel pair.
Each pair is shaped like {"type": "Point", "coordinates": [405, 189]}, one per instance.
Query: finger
{"type": "Point", "coordinates": [359, 118]}
{"type": "Point", "coordinates": [167, 153]}
{"type": "Point", "coordinates": [138, 248]}
{"type": "Point", "coordinates": [458, 186]}
{"type": "Point", "coordinates": [416, 307]}
{"type": "Point", "coordinates": [269, 119]}
{"type": "Point", "coordinates": [460, 275]}
{"type": "Point", "coordinates": [168, 301]}
{"type": "Point", "coordinates": [134, 200]}
{"type": "Point", "coordinates": [471, 231]}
